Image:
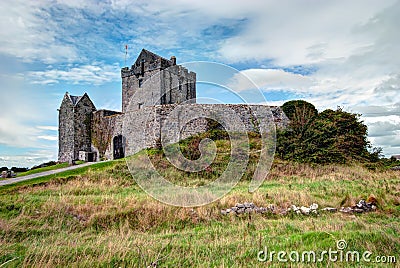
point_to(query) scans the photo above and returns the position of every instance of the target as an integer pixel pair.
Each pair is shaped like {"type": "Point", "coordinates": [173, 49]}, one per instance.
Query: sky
{"type": "Point", "coordinates": [330, 53]}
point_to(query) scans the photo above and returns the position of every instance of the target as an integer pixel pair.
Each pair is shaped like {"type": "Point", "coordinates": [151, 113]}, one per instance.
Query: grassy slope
{"type": "Point", "coordinates": [98, 216]}
{"type": "Point", "coordinates": [53, 167]}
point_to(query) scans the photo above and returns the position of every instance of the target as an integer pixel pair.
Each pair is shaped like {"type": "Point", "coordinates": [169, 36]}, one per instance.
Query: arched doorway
{"type": "Point", "coordinates": [118, 145]}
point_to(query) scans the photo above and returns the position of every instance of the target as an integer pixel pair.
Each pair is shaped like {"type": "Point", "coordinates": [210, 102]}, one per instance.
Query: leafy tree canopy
{"type": "Point", "coordinates": [332, 136]}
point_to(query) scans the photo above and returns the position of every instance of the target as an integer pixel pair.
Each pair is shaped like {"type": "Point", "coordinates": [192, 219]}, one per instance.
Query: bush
{"type": "Point", "coordinates": [47, 164]}
{"type": "Point", "coordinates": [326, 137]}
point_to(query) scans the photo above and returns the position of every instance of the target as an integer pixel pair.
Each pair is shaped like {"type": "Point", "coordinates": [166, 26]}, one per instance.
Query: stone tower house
{"type": "Point", "coordinates": [74, 130]}
{"type": "Point", "coordinates": [157, 91]}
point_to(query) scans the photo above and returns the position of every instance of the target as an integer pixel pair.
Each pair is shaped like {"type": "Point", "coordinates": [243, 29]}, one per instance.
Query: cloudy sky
{"type": "Point", "coordinates": [331, 53]}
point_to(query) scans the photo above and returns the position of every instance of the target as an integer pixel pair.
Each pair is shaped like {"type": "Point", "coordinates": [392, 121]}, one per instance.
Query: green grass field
{"type": "Point", "coordinates": [98, 216]}
{"type": "Point", "coordinates": [53, 167]}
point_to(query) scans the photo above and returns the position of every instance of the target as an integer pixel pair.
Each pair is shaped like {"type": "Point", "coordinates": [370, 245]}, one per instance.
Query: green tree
{"type": "Point", "coordinates": [337, 136]}
{"type": "Point", "coordinates": [328, 137]}
{"type": "Point", "coordinates": [290, 141]}
{"type": "Point", "coordinates": [300, 114]}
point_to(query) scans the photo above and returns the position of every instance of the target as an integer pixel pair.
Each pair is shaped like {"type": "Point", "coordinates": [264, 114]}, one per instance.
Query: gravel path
{"type": "Point", "coordinates": [42, 174]}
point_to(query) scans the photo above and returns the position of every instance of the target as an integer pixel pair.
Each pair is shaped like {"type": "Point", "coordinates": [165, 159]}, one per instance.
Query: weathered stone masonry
{"type": "Point", "coordinates": [75, 116]}
{"type": "Point", "coordinates": [135, 122]}
{"type": "Point", "coordinates": [159, 86]}
{"type": "Point", "coordinates": [159, 89]}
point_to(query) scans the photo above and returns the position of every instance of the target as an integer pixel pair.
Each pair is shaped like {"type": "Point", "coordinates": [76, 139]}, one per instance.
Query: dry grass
{"type": "Point", "coordinates": [102, 218]}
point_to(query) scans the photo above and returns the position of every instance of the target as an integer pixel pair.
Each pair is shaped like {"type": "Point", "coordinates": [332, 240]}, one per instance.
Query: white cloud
{"type": "Point", "coordinates": [271, 79]}
{"type": "Point", "coordinates": [17, 134]}
{"type": "Point", "coordinates": [52, 128]}
{"type": "Point", "coordinates": [294, 33]}
{"type": "Point", "coordinates": [28, 32]}
{"type": "Point", "coordinates": [28, 159]}
{"type": "Point", "coordinates": [97, 73]}
{"type": "Point", "coordinates": [19, 112]}
{"type": "Point", "coordinates": [48, 137]}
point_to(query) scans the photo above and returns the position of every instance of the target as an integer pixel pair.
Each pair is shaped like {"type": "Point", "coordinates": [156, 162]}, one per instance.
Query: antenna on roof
{"type": "Point", "coordinates": [126, 53]}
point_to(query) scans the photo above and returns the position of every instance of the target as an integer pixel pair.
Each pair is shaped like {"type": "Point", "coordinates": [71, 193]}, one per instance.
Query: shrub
{"type": "Point", "coordinates": [332, 136]}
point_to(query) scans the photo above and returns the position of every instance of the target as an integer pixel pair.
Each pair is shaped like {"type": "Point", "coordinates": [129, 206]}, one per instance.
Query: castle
{"type": "Point", "coordinates": [88, 134]}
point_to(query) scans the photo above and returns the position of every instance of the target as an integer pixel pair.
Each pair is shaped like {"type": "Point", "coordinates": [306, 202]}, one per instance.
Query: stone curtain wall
{"type": "Point", "coordinates": [117, 120]}
{"type": "Point", "coordinates": [103, 130]}
{"type": "Point", "coordinates": [141, 128]}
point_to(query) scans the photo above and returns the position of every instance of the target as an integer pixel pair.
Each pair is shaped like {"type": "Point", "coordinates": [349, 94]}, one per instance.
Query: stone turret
{"type": "Point", "coordinates": [74, 127]}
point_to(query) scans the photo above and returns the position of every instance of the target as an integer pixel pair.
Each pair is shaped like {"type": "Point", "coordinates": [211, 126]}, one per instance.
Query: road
{"type": "Point", "coordinates": [44, 173]}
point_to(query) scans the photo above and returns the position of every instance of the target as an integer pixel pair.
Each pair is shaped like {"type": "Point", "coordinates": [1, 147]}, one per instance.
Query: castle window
{"type": "Point", "coordinates": [142, 67]}
{"type": "Point", "coordinates": [140, 105]}
{"type": "Point", "coordinates": [140, 82]}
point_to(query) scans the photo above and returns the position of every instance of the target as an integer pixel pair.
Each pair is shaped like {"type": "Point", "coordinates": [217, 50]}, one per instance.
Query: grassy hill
{"type": "Point", "coordinates": [98, 216]}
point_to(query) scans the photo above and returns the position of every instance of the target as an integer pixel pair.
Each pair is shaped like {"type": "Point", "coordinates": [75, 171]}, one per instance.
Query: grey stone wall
{"type": "Point", "coordinates": [178, 85]}
{"type": "Point", "coordinates": [103, 130]}
{"type": "Point", "coordinates": [82, 125]}
{"type": "Point", "coordinates": [154, 81]}
{"type": "Point", "coordinates": [142, 128]}
{"type": "Point", "coordinates": [147, 93]}
{"type": "Point", "coordinates": [74, 127]}
{"type": "Point", "coordinates": [66, 130]}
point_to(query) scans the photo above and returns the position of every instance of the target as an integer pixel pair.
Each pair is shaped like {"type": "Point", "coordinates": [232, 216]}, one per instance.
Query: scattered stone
{"type": "Point", "coordinates": [283, 212]}
{"type": "Point", "coordinates": [238, 205]}
{"type": "Point", "coordinates": [361, 204]}
{"type": "Point", "coordinates": [358, 210]}
{"type": "Point", "coordinates": [248, 210]}
{"type": "Point", "coordinates": [304, 210]}
{"type": "Point", "coordinates": [248, 205]}
{"type": "Point", "coordinates": [329, 209]}
{"type": "Point", "coordinates": [361, 207]}
{"type": "Point", "coordinates": [261, 210]}
{"type": "Point", "coordinates": [293, 208]}
{"type": "Point", "coordinates": [346, 209]}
